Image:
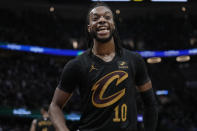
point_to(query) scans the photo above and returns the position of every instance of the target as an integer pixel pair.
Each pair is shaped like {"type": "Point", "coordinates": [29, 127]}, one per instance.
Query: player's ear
{"type": "Point", "coordinates": [88, 28]}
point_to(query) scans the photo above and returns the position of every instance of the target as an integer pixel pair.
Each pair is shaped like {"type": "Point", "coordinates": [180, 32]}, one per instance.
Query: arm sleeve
{"type": "Point", "coordinates": [150, 111]}
{"type": "Point", "coordinates": [69, 77]}
{"type": "Point", "coordinates": [141, 76]}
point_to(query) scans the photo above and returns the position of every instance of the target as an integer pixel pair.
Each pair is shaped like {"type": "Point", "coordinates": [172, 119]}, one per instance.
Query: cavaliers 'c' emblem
{"type": "Point", "coordinates": [102, 84]}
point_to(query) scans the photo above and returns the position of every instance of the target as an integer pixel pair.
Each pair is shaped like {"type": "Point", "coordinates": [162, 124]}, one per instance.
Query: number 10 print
{"type": "Point", "coordinates": [120, 113]}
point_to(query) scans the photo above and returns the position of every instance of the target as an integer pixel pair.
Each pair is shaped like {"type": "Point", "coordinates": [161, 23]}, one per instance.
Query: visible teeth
{"type": "Point", "coordinates": [103, 31]}
{"type": "Point", "coordinates": [102, 28]}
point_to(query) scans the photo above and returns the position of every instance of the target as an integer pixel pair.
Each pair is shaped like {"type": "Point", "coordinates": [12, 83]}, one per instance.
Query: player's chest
{"type": "Point", "coordinates": [117, 71]}
{"type": "Point", "coordinates": [108, 82]}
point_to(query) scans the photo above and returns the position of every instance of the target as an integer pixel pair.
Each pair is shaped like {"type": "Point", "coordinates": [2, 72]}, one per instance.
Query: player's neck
{"type": "Point", "coordinates": [103, 49]}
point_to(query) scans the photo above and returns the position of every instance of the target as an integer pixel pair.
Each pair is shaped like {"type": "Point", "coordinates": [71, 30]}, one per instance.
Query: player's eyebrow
{"type": "Point", "coordinates": [96, 14]}
{"type": "Point", "coordinates": [108, 12]}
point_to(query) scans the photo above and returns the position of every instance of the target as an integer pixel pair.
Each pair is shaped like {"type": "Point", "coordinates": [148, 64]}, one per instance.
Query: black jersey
{"type": "Point", "coordinates": [44, 124]}
{"type": "Point", "coordinates": [107, 89]}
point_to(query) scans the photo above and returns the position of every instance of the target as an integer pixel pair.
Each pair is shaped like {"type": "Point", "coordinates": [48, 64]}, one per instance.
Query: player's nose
{"type": "Point", "coordinates": [102, 20]}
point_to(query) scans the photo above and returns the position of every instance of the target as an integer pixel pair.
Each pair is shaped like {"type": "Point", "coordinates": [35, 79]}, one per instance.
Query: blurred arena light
{"type": "Point", "coordinates": [51, 9]}
{"type": "Point", "coordinates": [183, 9]}
{"type": "Point", "coordinates": [111, 0]}
{"type": "Point", "coordinates": [169, 0]}
{"type": "Point", "coordinates": [75, 44]}
{"type": "Point", "coordinates": [138, 0]}
{"type": "Point", "coordinates": [21, 111]}
{"type": "Point", "coordinates": [68, 52]}
{"type": "Point", "coordinates": [182, 58]}
{"type": "Point", "coordinates": [73, 116]}
{"type": "Point", "coordinates": [117, 11]}
{"type": "Point", "coordinates": [76, 117]}
{"type": "Point", "coordinates": [140, 118]}
{"type": "Point", "coordinates": [154, 60]}
{"type": "Point", "coordinates": [161, 92]}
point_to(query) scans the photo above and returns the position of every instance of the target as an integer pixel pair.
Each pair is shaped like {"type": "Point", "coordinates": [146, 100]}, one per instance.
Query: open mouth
{"type": "Point", "coordinates": [102, 30]}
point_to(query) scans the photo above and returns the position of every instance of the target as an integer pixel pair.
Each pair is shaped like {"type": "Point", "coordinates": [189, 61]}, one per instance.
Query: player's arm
{"type": "Point", "coordinates": [150, 106]}
{"type": "Point", "coordinates": [144, 86]}
{"type": "Point", "coordinates": [60, 98]}
{"type": "Point", "coordinates": [68, 81]}
{"type": "Point", "coordinates": [33, 125]}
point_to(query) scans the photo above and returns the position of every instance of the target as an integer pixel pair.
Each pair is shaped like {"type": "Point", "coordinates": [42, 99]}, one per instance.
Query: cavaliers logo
{"type": "Point", "coordinates": [101, 86]}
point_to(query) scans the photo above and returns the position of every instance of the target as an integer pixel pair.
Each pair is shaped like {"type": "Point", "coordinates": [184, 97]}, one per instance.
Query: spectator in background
{"type": "Point", "coordinates": [43, 123]}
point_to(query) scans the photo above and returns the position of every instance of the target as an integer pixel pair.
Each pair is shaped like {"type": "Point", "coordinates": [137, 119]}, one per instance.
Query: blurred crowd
{"type": "Point", "coordinates": [28, 80]}
{"type": "Point", "coordinates": [150, 32]}
{"type": "Point", "coordinates": [21, 77]}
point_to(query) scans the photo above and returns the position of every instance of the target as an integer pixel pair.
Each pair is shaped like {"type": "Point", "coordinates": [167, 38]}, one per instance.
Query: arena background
{"type": "Point", "coordinates": [34, 32]}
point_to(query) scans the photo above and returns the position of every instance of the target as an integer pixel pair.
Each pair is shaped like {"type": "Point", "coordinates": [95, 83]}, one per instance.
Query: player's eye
{"type": "Point", "coordinates": [107, 17]}
{"type": "Point", "coordinates": [95, 18]}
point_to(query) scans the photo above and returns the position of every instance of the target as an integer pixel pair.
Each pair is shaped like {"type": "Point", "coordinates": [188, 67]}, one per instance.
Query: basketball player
{"type": "Point", "coordinates": [44, 123]}
{"type": "Point", "coordinates": [107, 76]}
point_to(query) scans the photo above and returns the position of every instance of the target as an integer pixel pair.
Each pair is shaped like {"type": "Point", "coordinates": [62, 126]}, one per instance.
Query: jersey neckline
{"type": "Point", "coordinates": [102, 61]}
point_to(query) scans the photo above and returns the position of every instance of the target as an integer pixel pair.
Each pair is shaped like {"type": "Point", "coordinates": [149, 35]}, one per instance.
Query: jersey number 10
{"type": "Point", "coordinates": [123, 113]}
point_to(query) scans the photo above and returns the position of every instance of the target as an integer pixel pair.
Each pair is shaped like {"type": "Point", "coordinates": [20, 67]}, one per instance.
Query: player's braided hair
{"type": "Point", "coordinates": [115, 34]}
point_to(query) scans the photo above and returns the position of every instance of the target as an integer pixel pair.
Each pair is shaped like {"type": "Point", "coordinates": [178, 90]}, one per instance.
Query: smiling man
{"type": "Point", "coordinates": [103, 30]}
{"type": "Point", "coordinates": [107, 76]}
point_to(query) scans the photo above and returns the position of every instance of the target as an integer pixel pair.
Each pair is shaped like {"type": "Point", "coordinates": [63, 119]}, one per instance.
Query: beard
{"type": "Point", "coordinates": [102, 40]}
